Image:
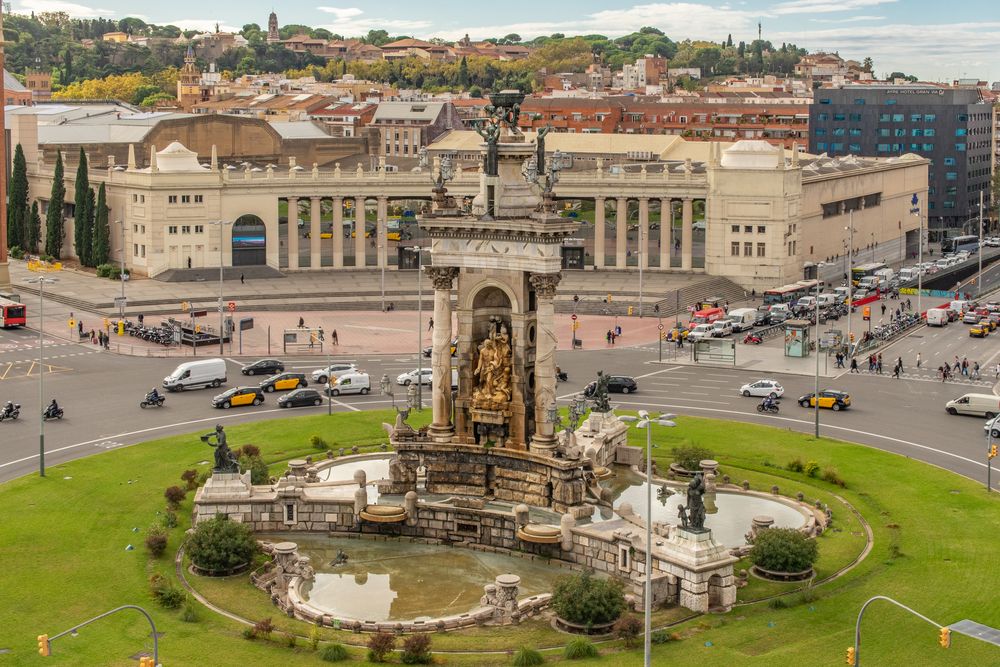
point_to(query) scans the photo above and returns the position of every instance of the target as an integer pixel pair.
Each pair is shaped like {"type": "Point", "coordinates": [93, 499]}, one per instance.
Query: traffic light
{"type": "Point", "coordinates": [993, 452]}
{"type": "Point", "coordinates": [852, 336]}
{"type": "Point", "coordinates": [185, 306]}
{"type": "Point", "coordinates": [43, 645]}
{"type": "Point", "coordinates": [944, 637]}
{"type": "Point", "coordinates": [850, 656]}
{"type": "Point", "coordinates": [197, 328]}
{"type": "Point", "coordinates": [609, 298]}
{"type": "Point", "coordinates": [630, 310]}
{"type": "Point", "coordinates": [121, 328]}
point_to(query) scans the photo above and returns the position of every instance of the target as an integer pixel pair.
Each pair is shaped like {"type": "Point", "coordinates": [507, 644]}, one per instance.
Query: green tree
{"type": "Point", "coordinates": [81, 223]}
{"type": "Point", "coordinates": [88, 227]}
{"type": "Point", "coordinates": [220, 544]}
{"type": "Point", "coordinates": [34, 231]}
{"type": "Point", "coordinates": [587, 600]}
{"type": "Point", "coordinates": [463, 74]}
{"type": "Point", "coordinates": [54, 232]}
{"type": "Point", "coordinates": [102, 233]}
{"type": "Point", "coordinates": [17, 206]}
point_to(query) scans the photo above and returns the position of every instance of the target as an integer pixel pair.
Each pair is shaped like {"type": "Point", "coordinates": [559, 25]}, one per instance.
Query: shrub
{"type": "Point", "coordinates": [191, 478]}
{"type": "Point", "coordinates": [314, 639]}
{"type": "Point", "coordinates": [380, 645]}
{"type": "Point", "coordinates": [248, 450]}
{"type": "Point", "coordinates": [811, 469]}
{"type": "Point", "coordinates": [417, 650]}
{"type": "Point", "coordinates": [318, 443]}
{"type": "Point", "coordinates": [263, 628]}
{"type": "Point", "coordinates": [16, 252]}
{"type": "Point", "coordinates": [833, 477]}
{"type": "Point", "coordinates": [203, 477]}
{"type": "Point", "coordinates": [290, 639]}
{"type": "Point", "coordinates": [174, 496]}
{"type": "Point", "coordinates": [259, 474]}
{"type": "Point", "coordinates": [248, 633]}
{"type": "Point", "coordinates": [103, 270]}
{"type": "Point", "coordinates": [527, 657]}
{"type": "Point", "coordinates": [168, 595]}
{"type": "Point", "coordinates": [220, 544]}
{"type": "Point", "coordinates": [156, 541]}
{"type": "Point", "coordinates": [663, 637]}
{"type": "Point", "coordinates": [796, 465]}
{"type": "Point", "coordinates": [784, 550]}
{"type": "Point", "coordinates": [628, 628]}
{"type": "Point", "coordinates": [169, 519]}
{"type": "Point", "coordinates": [190, 613]}
{"type": "Point", "coordinates": [579, 648]}
{"type": "Point", "coordinates": [334, 653]}
{"type": "Point", "coordinates": [587, 600]}
{"type": "Point", "coordinates": [777, 603]}
{"type": "Point", "coordinates": [690, 457]}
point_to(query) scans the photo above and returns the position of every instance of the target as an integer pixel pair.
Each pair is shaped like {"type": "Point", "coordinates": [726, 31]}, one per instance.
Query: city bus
{"type": "Point", "coordinates": [12, 314]}
{"type": "Point", "coordinates": [969, 242]}
{"type": "Point", "coordinates": [812, 286]}
{"type": "Point", "coordinates": [865, 270]}
{"type": "Point", "coordinates": [784, 294]}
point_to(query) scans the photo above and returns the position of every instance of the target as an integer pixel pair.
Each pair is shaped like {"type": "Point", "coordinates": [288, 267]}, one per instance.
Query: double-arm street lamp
{"type": "Point", "coordinates": [222, 226]}
{"type": "Point", "coordinates": [41, 281]}
{"type": "Point", "coordinates": [419, 250]}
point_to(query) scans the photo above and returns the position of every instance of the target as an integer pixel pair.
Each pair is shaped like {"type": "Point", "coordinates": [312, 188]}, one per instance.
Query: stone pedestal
{"type": "Point", "coordinates": [704, 570]}
{"type": "Point", "coordinates": [226, 486]}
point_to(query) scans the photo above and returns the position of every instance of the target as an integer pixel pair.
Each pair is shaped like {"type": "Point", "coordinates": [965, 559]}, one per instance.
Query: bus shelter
{"type": "Point", "coordinates": [797, 338]}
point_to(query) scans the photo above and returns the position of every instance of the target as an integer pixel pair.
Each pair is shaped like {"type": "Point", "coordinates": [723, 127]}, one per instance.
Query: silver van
{"type": "Point", "coordinates": [977, 405]}
{"type": "Point", "coordinates": [197, 374]}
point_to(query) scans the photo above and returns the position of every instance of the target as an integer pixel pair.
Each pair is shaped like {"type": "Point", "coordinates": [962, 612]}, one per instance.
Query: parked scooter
{"type": "Point", "coordinates": [10, 411]}
{"type": "Point", "coordinates": [752, 339]}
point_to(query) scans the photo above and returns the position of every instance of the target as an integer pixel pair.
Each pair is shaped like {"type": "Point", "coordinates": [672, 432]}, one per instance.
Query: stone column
{"type": "Point", "coordinates": [687, 243]}
{"type": "Point", "coordinates": [621, 235]}
{"type": "Point", "coordinates": [293, 232]}
{"type": "Point", "coordinates": [599, 232]}
{"type": "Point", "coordinates": [666, 231]}
{"type": "Point", "coordinates": [644, 232]}
{"type": "Point", "coordinates": [338, 232]}
{"type": "Point", "coordinates": [315, 233]}
{"type": "Point", "coordinates": [441, 427]}
{"type": "Point", "coordinates": [381, 216]}
{"type": "Point", "coordinates": [544, 439]}
{"type": "Point", "coordinates": [359, 232]}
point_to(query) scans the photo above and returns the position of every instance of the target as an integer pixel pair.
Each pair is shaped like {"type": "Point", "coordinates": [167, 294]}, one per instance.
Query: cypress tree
{"type": "Point", "coordinates": [88, 227]}
{"type": "Point", "coordinates": [81, 223]}
{"type": "Point", "coordinates": [102, 234]}
{"type": "Point", "coordinates": [17, 202]}
{"type": "Point", "coordinates": [463, 74]}
{"type": "Point", "coordinates": [54, 232]}
{"type": "Point", "coordinates": [34, 231]}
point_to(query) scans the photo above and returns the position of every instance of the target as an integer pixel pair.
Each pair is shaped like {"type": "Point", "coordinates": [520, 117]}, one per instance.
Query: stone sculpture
{"type": "Point", "coordinates": [225, 461]}
{"type": "Point", "coordinates": [692, 515]}
{"type": "Point", "coordinates": [600, 396]}
{"type": "Point", "coordinates": [493, 370]}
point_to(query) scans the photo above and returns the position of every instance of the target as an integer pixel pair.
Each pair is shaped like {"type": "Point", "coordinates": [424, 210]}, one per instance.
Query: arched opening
{"type": "Point", "coordinates": [249, 241]}
{"type": "Point", "coordinates": [714, 592]}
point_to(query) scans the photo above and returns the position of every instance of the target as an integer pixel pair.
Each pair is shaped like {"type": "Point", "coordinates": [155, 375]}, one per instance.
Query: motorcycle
{"type": "Point", "coordinates": [752, 339]}
{"type": "Point", "coordinates": [49, 413]}
{"type": "Point", "coordinates": [562, 376]}
{"type": "Point", "coordinates": [14, 413]}
{"type": "Point", "coordinates": [762, 407]}
{"type": "Point", "coordinates": [149, 402]}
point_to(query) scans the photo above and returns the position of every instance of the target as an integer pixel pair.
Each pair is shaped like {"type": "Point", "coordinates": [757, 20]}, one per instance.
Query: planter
{"type": "Point", "coordinates": [771, 575]}
{"type": "Point", "coordinates": [239, 569]}
{"type": "Point", "coordinates": [577, 629]}
{"type": "Point", "coordinates": [681, 472]}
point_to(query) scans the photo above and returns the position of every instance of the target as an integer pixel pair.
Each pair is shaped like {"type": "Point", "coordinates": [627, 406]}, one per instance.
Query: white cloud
{"type": "Point", "coordinates": [853, 19]}
{"type": "Point", "coordinates": [352, 21]}
{"type": "Point", "coordinates": [342, 13]}
{"type": "Point", "coordinates": [202, 25]}
{"type": "Point", "coordinates": [73, 9]}
{"type": "Point", "coordinates": [823, 6]}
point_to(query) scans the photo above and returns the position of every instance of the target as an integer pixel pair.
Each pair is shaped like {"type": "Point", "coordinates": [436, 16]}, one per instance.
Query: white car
{"type": "Point", "coordinates": [424, 374]}
{"type": "Point", "coordinates": [993, 427]}
{"type": "Point", "coordinates": [763, 388]}
{"type": "Point", "coordinates": [700, 331]}
{"type": "Point", "coordinates": [321, 375]}
{"type": "Point", "coordinates": [722, 328]}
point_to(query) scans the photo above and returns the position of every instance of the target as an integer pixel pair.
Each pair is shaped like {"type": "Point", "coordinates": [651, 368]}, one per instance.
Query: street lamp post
{"type": "Point", "coordinates": [420, 325]}
{"type": "Point", "coordinates": [819, 266]}
{"type": "Point", "coordinates": [41, 281]}
{"type": "Point", "coordinates": [222, 225]}
{"type": "Point", "coordinates": [644, 420]}
{"type": "Point", "coordinates": [979, 279]}
{"type": "Point", "coordinates": [850, 282]}
{"type": "Point", "coordinates": [915, 210]}
{"type": "Point", "coordinates": [382, 280]}
{"type": "Point", "coordinates": [121, 273]}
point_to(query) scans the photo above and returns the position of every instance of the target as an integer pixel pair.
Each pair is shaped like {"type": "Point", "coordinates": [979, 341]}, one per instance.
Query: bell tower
{"type": "Point", "coordinates": [189, 82]}
{"type": "Point", "coordinates": [272, 29]}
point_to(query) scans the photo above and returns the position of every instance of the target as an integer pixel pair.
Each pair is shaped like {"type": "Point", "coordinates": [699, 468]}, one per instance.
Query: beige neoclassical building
{"type": "Point", "coordinates": [746, 211]}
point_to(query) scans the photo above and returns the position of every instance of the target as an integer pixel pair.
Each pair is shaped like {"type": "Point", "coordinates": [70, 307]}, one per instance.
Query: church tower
{"type": "Point", "coordinates": [272, 29]}
{"type": "Point", "coordinates": [189, 82]}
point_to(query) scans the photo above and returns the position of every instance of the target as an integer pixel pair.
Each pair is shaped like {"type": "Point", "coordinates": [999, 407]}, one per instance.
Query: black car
{"type": "Point", "coordinates": [621, 384]}
{"type": "Point", "coordinates": [264, 367]}
{"type": "Point", "coordinates": [763, 316]}
{"type": "Point", "coordinates": [300, 398]}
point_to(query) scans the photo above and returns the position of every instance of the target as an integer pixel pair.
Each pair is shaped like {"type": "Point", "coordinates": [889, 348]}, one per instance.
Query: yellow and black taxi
{"type": "Point", "coordinates": [238, 396]}
{"type": "Point", "coordinates": [990, 322]}
{"type": "Point", "coordinates": [284, 382]}
{"type": "Point", "coordinates": [828, 398]}
{"type": "Point", "coordinates": [981, 330]}
{"type": "Point", "coordinates": [677, 332]}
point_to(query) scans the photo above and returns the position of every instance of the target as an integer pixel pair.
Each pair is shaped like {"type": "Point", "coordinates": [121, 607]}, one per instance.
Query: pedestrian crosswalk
{"type": "Point", "coordinates": [928, 375]}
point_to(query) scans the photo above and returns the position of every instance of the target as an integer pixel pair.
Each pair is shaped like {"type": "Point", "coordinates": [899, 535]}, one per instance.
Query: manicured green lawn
{"type": "Point", "coordinates": [63, 546]}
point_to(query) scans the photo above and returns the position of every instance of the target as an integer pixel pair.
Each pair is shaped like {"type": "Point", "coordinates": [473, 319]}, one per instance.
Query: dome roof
{"type": "Point", "coordinates": [752, 154]}
{"type": "Point", "coordinates": [177, 157]}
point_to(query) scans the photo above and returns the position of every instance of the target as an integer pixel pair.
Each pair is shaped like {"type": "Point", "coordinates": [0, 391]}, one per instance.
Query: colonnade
{"type": "Point", "coordinates": [645, 248]}
{"type": "Point", "coordinates": [316, 240]}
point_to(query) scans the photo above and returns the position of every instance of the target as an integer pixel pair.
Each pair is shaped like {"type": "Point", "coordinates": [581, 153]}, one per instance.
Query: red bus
{"type": "Point", "coordinates": [12, 314]}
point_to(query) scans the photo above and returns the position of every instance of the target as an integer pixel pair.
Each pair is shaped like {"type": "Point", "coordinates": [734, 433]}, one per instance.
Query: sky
{"type": "Point", "coordinates": [922, 37]}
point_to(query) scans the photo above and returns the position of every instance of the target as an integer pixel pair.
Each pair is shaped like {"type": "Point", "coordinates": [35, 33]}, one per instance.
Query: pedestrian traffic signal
{"type": "Point", "coordinates": [944, 637]}
{"type": "Point", "coordinates": [630, 310]}
{"type": "Point", "coordinates": [185, 306]}
{"type": "Point", "coordinates": [850, 656]}
{"type": "Point", "coordinates": [43, 645]}
{"type": "Point", "coordinates": [609, 298]}
{"type": "Point", "coordinates": [993, 451]}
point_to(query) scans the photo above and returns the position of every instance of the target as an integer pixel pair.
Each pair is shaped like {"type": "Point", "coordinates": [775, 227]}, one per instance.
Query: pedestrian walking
{"type": "Point", "coordinates": [753, 292]}
{"type": "Point", "coordinates": [430, 324]}
{"type": "Point", "coordinates": [79, 328]}
{"type": "Point", "coordinates": [883, 310]}
{"type": "Point", "coordinates": [918, 360]}
{"type": "Point", "coordinates": [613, 336]}
{"type": "Point", "coordinates": [899, 365]}
{"type": "Point", "coordinates": [998, 371]}
{"type": "Point", "coordinates": [854, 365]}
{"type": "Point", "coordinates": [878, 364]}
{"type": "Point", "coordinates": [93, 340]}
{"type": "Point", "coordinates": [896, 370]}
{"type": "Point", "coordinates": [140, 318]}
{"type": "Point", "coordinates": [618, 331]}
{"type": "Point", "coordinates": [242, 279]}
{"type": "Point", "coordinates": [965, 366]}
{"type": "Point", "coordinates": [943, 372]}
{"type": "Point", "coordinates": [958, 365]}
{"type": "Point", "coordinates": [333, 337]}
{"type": "Point", "coordinates": [107, 342]}
{"type": "Point", "coordinates": [975, 371]}
{"type": "Point", "coordinates": [607, 337]}
{"type": "Point", "coordinates": [302, 322]}
{"type": "Point", "coordinates": [725, 307]}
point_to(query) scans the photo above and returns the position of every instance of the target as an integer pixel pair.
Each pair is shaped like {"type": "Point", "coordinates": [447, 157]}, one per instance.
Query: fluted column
{"type": "Point", "coordinates": [687, 243]}
{"type": "Point", "coordinates": [544, 438]}
{"type": "Point", "coordinates": [381, 217]}
{"type": "Point", "coordinates": [441, 427]}
{"type": "Point", "coordinates": [621, 236]}
{"type": "Point", "coordinates": [666, 231]}
{"type": "Point", "coordinates": [315, 234]}
{"type": "Point", "coordinates": [599, 232]}
{"type": "Point", "coordinates": [643, 244]}
{"type": "Point", "coordinates": [359, 232]}
{"type": "Point", "coordinates": [338, 232]}
{"type": "Point", "coordinates": [293, 232]}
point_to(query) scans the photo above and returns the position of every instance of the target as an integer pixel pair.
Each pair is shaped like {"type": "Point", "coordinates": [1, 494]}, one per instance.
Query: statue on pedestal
{"type": "Point", "coordinates": [692, 515]}
{"type": "Point", "coordinates": [225, 461]}
{"type": "Point", "coordinates": [493, 370]}
{"type": "Point", "coordinates": [600, 395]}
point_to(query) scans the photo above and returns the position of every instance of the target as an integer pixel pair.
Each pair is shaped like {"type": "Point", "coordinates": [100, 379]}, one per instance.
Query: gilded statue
{"type": "Point", "coordinates": [493, 369]}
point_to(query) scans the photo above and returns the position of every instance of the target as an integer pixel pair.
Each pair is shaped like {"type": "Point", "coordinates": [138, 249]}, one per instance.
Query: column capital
{"type": "Point", "coordinates": [315, 197]}
{"type": "Point", "coordinates": [545, 284]}
{"type": "Point", "coordinates": [441, 276]}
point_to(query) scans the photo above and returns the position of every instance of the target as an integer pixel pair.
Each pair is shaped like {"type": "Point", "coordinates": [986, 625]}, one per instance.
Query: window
{"type": "Point", "coordinates": [135, 198]}
{"type": "Point", "coordinates": [949, 162]}
{"type": "Point", "coordinates": [821, 146]}
{"type": "Point", "coordinates": [185, 229]}
{"type": "Point", "coordinates": [198, 199]}
{"type": "Point", "coordinates": [951, 176]}
{"type": "Point", "coordinates": [900, 132]}
{"type": "Point", "coordinates": [820, 132]}
{"type": "Point", "coordinates": [855, 117]}
{"type": "Point", "coordinates": [839, 131]}
{"type": "Point", "coordinates": [883, 132]}
{"type": "Point", "coordinates": [142, 199]}
{"type": "Point", "coordinates": [855, 131]}
{"type": "Point", "coordinates": [748, 250]}
{"type": "Point", "coordinates": [882, 148]}
{"type": "Point", "coordinates": [748, 229]}
{"type": "Point", "coordinates": [172, 199]}
{"type": "Point", "coordinates": [889, 102]}
{"type": "Point", "coordinates": [914, 118]}
{"type": "Point", "coordinates": [854, 148]}
{"type": "Point", "coordinates": [135, 229]}
{"type": "Point", "coordinates": [185, 199]}
{"type": "Point", "coordinates": [930, 132]}
{"type": "Point", "coordinates": [928, 147]}
{"type": "Point", "coordinates": [824, 116]}
{"type": "Point", "coordinates": [761, 229]}
{"type": "Point", "coordinates": [172, 229]}
{"type": "Point", "coordinates": [963, 118]}
{"type": "Point", "coordinates": [824, 100]}
{"type": "Point", "coordinates": [961, 132]}
{"type": "Point", "coordinates": [883, 118]}
{"type": "Point", "coordinates": [199, 229]}
{"type": "Point", "coordinates": [859, 101]}
{"type": "Point", "coordinates": [760, 250]}
{"type": "Point", "coordinates": [839, 116]}
{"type": "Point", "coordinates": [837, 146]}
{"type": "Point", "coordinates": [949, 204]}
{"type": "Point", "coordinates": [917, 132]}
{"type": "Point", "coordinates": [930, 117]}
{"type": "Point", "coordinates": [735, 229]}
{"type": "Point", "coordinates": [897, 118]}
{"type": "Point", "coordinates": [135, 249]}
{"type": "Point", "coordinates": [959, 147]}
{"type": "Point", "coordinates": [734, 248]}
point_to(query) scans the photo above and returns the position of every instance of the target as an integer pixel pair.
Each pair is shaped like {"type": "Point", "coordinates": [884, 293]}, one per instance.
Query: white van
{"type": "Point", "coordinates": [959, 306]}
{"type": "Point", "coordinates": [808, 302]}
{"type": "Point", "coordinates": [909, 273]}
{"type": "Point", "coordinates": [742, 318]}
{"type": "Point", "coordinates": [351, 383]}
{"type": "Point", "coordinates": [195, 374]}
{"type": "Point", "coordinates": [977, 405]}
{"type": "Point", "coordinates": [827, 300]}
{"type": "Point", "coordinates": [869, 283]}
{"type": "Point", "coordinates": [937, 317]}
{"type": "Point", "coordinates": [885, 275]}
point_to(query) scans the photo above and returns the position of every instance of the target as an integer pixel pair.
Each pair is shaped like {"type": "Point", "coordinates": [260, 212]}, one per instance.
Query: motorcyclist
{"type": "Point", "coordinates": [153, 396]}
{"type": "Point", "coordinates": [52, 409]}
{"type": "Point", "coordinates": [8, 409]}
{"type": "Point", "coordinates": [767, 403]}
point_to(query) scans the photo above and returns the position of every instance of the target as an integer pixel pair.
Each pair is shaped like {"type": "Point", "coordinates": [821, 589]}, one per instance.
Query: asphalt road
{"type": "Point", "coordinates": [100, 392]}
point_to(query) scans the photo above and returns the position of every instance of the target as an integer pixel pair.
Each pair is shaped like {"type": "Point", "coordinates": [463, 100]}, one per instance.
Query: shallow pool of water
{"type": "Point", "coordinates": [396, 581]}
{"type": "Point", "coordinates": [375, 469]}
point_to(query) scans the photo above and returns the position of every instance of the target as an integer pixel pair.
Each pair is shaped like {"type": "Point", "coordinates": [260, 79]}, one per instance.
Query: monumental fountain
{"type": "Point", "coordinates": [493, 473]}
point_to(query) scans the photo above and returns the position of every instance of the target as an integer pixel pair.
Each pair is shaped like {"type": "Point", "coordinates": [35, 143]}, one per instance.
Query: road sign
{"type": "Point", "coordinates": [246, 323]}
{"type": "Point", "coordinates": [573, 317]}
{"type": "Point", "coordinates": [232, 306]}
{"type": "Point", "coordinates": [120, 301]}
{"type": "Point", "coordinates": [199, 313]}
{"type": "Point", "coordinates": [660, 327]}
